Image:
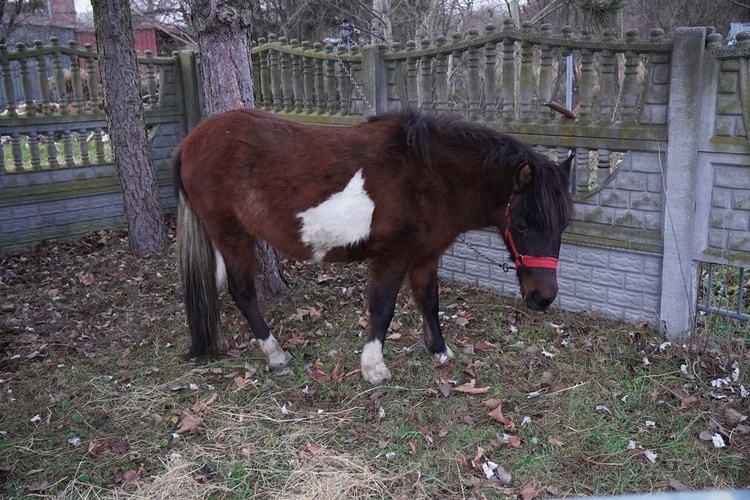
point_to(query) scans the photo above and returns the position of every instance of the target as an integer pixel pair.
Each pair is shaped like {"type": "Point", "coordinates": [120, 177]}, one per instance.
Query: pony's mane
{"type": "Point", "coordinates": [546, 199]}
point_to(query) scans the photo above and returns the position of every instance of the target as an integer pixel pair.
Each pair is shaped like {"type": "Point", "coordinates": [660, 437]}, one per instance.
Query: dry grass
{"type": "Point", "coordinates": [95, 350]}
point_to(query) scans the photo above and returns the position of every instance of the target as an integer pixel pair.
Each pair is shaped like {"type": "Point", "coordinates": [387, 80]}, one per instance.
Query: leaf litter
{"type": "Point", "coordinates": [48, 311]}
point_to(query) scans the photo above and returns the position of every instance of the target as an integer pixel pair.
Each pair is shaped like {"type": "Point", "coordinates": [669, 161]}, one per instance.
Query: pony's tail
{"type": "Point", "coordinates": [196, 261]}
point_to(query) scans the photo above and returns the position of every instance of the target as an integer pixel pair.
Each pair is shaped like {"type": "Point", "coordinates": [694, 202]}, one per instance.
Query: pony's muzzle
{"type": "Point", "coordinates": [538, 287]}
{"type": "Point", "coordinates": [539, 301]}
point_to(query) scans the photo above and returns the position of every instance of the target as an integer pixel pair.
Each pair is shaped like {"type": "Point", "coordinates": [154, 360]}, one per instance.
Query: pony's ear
{"type": "Point", "coordinates": [523, 177]}
{"type": "Point", "coordinates": [567, 165]}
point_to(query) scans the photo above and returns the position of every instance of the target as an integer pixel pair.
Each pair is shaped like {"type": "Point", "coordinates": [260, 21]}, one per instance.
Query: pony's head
{"type": "Point", "coordinates": [538, 211]}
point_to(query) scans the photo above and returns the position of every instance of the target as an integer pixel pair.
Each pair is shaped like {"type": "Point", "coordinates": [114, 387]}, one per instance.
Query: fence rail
{"type": "Point", "coordinates": [502, 76]}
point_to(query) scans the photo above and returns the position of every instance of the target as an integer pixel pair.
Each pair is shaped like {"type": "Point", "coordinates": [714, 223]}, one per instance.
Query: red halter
{"type": "Point", "coordinates": [524, 260]}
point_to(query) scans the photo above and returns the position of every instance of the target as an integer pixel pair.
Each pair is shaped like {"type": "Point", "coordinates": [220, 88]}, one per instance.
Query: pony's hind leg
{"type": "Point", "coordinates": [241, 281]}
{"type": "Point", "coordinates": [424, 285]}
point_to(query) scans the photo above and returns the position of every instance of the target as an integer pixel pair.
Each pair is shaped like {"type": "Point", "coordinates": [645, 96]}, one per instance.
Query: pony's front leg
{"type": "Point", "coordinates": [386, 279]}
{"type": "Point", "coordinates": [424, 285]}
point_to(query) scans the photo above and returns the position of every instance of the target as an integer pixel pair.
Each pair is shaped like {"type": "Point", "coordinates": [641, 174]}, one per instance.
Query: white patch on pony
{"type": "Point", "coordinates": [278, 358]}
{"type": "Point", "coordinates": [373, 367]}
{"type": "Point", "coordinates": [221, 269]}
{"type": "Point", "coordinates": [443, 357]}
{"type": "Point", "coordinates": [343, 219]}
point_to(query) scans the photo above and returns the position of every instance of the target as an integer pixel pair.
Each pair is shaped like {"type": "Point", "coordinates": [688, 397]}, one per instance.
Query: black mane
{"type": "Point", "coordinates": [546, 199]}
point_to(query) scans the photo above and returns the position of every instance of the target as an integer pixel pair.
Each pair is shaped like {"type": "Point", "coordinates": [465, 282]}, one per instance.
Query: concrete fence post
{"type": "Point", "coordinates": [374, 80]}
{"type": "Point", "coordinates": [679, 271]}
{"type": "Point", "coordinates": [190, 87]}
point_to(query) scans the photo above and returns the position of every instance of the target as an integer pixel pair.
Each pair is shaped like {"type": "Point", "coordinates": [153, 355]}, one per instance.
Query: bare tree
{"type": "Point", "coordinates": [223, 31]}
{"type": "Point", "coordinates": [14, 13]}
{"type": "Point", "coordinates": [594, 15]}
{"type": "Point", "coordinates": [114, 37]}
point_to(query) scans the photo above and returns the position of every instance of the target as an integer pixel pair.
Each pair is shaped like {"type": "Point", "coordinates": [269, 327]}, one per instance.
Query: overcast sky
{"type": "Point", "coordinates": [83, 5]}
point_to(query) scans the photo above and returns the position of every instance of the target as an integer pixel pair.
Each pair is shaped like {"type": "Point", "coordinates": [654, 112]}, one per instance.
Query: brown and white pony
{"type": "Point", "coordinates": [396, 190]}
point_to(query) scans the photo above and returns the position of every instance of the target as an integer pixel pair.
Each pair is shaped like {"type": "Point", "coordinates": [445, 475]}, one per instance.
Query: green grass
{"type": "Point", "coordinates": [106, 375]}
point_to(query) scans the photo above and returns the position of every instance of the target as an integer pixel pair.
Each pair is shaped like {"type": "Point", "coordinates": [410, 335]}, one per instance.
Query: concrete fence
{"type": "Point", "coordinates": [662, 176]}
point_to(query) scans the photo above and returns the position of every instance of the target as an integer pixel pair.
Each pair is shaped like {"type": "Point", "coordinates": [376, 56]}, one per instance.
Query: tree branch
{"type": "Point", "coordinates": [739, 4]}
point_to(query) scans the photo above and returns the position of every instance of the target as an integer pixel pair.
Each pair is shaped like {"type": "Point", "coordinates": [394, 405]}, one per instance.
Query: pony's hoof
{"type": "Point", "coordinates": [279, 363]}
{"type": "Point", "coordinates": [443, 357]}
{"type": "Point", "coordinates": [376, 374]}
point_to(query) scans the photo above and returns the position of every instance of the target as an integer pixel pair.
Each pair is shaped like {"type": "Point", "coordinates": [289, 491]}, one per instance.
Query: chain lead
{"type": "Point", "coordinates": [354, 82]}
{"type": "Point", "coordinates": [502, 265]}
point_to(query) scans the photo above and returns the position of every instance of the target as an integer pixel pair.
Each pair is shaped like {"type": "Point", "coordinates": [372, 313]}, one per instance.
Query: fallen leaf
{"type": "Point", "coordinates": [202, 405]}
{"type": "Point", "coordinates": [444, 387]}
{"type": "Point", "coordinates": [678, 485]}
{"type": "Point", "coordinates": [479, 458]}
{"type": "Point", "coordinates": [317, 374]}
{"type": "Point", "coordinates": [312, 450]}
{"type": "Point", "coordinates": [336, 375]}
{"type": "Point", "coordinates": [120, 446]}
{"type": "Point", "coordinates": [96, 448]}
{"type": "Point", "coordinates": [130, 476]}
{"type": "Point", "coordinates": [689, 402]}
{"type": "Point", "coordinates": [483, 345]}
{"type": "Point", "coordinates": [706, 435]}
{"type": "Point", "coordinates": [503, 475]}
{"type": "Point", "coordinates": [528, 492]}
{"type": "Point", "coordinates": [413, 447]}
{"type": "Point", "coordinates": [507, 422]}
{"type": "Point", "coordinates": [462, 460]}
{"type": "Point", "coordinates": [470, 388]}
{"type": "Point", "coordinates": [37, 486]}
{"type": "Point", "coordinates": [446, 368]}
{"type": "Point", "coordinates": [426, 434]}
{"type": "Point", "coordinates": [514, 441]}
{"type": "Point", "coordinates": [554, 441]}
{"type": "Point", "coordinates": [189, 423]}
{"type": "Point", "coordinates": [294, 341]}
{"type": "Point", "coordinates": [86, 279]}
{"type": "Point", "coordinates": [469, 481]}
{"type": "Point", "coordinates": [242, 382]}
{"type": "Point", "coordinates": [733, 417]}
{"type": "Point", "coordinates": [491, 403]}
{"type": "Point", "coordinates": [462, 321]}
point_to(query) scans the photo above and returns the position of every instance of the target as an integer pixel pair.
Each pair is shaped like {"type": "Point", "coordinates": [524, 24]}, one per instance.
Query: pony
{"type": "Point", "coordinates": [395, 190]}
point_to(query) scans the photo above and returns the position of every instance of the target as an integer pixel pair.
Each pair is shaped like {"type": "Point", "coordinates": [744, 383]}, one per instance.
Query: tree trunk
{"type": "Point", "coordinates": [382, 22]}
{"type": "Point", "coordinates": [223, 29]}
{"type": "Point", "coordinates": [127, 129]}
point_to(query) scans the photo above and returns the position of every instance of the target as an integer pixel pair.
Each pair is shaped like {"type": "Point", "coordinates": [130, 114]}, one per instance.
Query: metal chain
{"type": "Point", "coordinates": [354, 82]}
{"type": "Point", "coordinates": [502, 265]}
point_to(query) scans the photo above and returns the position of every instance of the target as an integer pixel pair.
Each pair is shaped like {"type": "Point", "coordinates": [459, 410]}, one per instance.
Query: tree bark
{"type": "Point", "coordinates": [223, 29]}
{"type": "Point", "coordinates": [127, 129]}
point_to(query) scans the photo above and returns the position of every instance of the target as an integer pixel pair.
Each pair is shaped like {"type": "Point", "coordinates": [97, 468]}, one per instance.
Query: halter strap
{"type": "Point", "coordinates": [520, 259]}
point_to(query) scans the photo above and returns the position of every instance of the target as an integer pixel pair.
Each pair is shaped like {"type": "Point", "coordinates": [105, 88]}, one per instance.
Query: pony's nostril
{"type": "Point", "coordinates": [537, 301]}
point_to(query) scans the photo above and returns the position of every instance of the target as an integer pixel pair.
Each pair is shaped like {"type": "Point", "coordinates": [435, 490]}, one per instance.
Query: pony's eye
{"type": "Point", "coordinates": [521, 227]}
